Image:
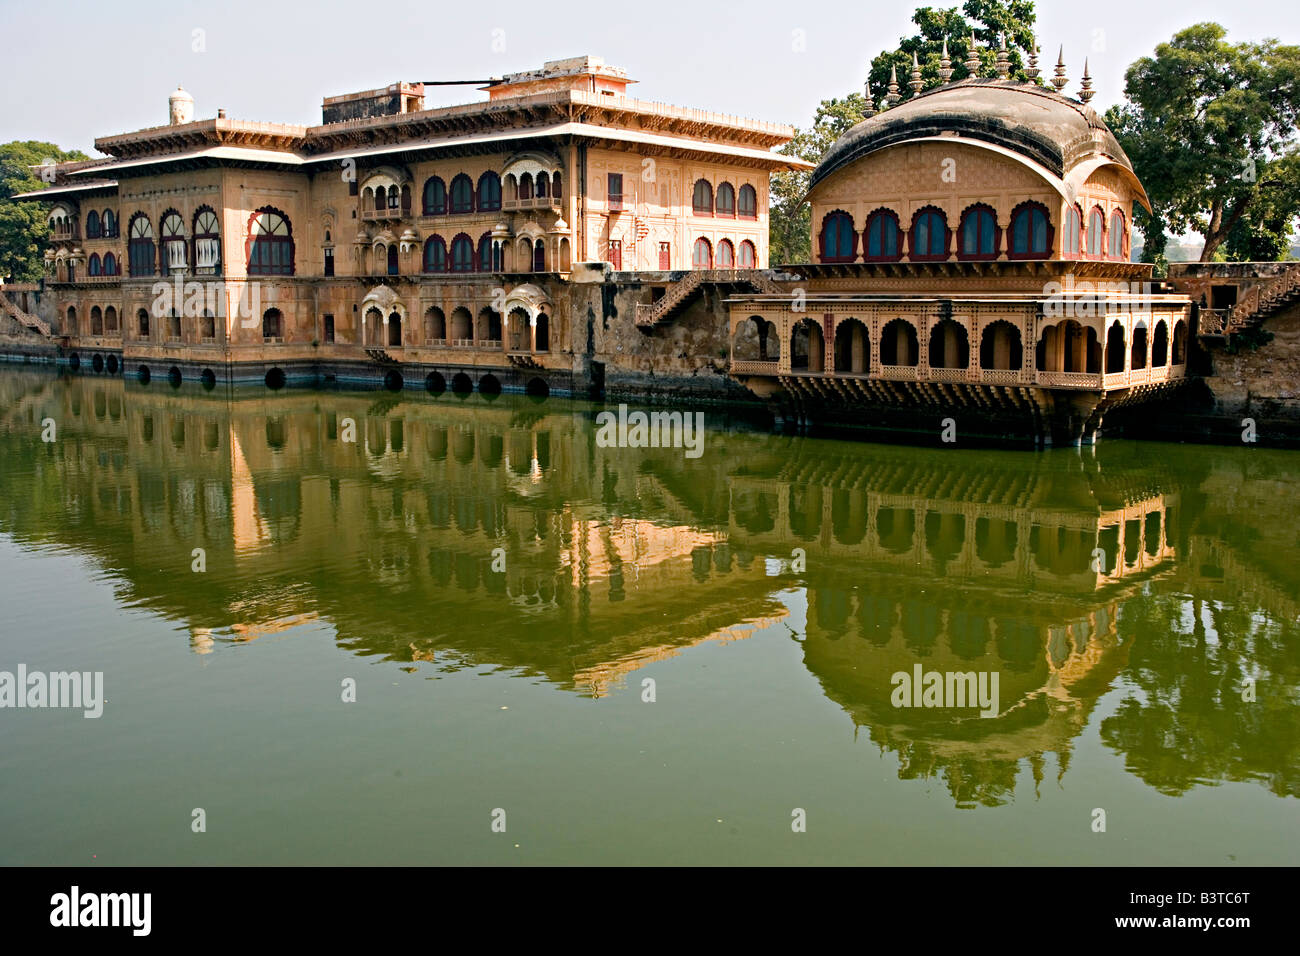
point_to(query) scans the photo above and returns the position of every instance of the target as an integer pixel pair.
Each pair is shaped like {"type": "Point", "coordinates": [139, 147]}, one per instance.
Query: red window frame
{"type": "Point", "coordinates": [852, 233]}
{"type": "Point", "coordinates": [912, 254]}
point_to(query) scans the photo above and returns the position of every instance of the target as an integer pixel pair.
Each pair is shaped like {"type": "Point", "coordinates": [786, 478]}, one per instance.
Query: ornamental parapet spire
{"type": "Point", "coordinates": [915, 81]}
{"type": "Point", "coordinates": [1003, 64]}
{"type": "Point", "coordinates": [1086, 92]}
{"type": "Point", "coordinates": [1059, 80]}
{"type": "Point", "coordinates": [945, 64]}
{"type": "Point", "coordinates": [893, 96]}
{"type": "Point", "coordinates": [1033, 70]}
{"type": "Point", "coordinates": [972, 58]}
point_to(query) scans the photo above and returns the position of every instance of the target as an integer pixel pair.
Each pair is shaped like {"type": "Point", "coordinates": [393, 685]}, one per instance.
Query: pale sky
{"type": "Point", "coordinates": [75, 70]}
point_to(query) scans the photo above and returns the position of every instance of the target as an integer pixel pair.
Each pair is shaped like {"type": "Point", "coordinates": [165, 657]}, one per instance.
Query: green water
{"type": "Point", "coordinates": [500, 588]}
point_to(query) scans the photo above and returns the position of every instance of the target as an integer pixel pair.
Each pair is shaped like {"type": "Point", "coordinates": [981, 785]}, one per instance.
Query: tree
{"type": "Point", "coordinates": [789, 232]}
{"type": "Point", "coordinates": [1211, 125]}
{"type": "Point", "coordinates": [23, 229]}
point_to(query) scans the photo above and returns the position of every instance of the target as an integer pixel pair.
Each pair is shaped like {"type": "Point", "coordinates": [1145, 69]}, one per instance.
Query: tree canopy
{"type": "Point", "coordinates": [23, 229]}
{"type": "Point", "coordinates": [1211, 129]}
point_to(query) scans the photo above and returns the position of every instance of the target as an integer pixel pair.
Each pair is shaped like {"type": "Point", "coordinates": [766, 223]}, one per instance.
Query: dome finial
{"type": "Point", "coordinates": [1004, 63]}
{"type": "Point", "coordinates": [915, 81]}
{"type": "Point", "coordinates": [945, 64]}
{"type": "Point", "coordinates": [1086, 92]}
{"type": "Point", "coordinates": [1059, 79]}
{"type": "Point", "coordinates": [972, 63]}
{"type": "Point", "coordinates": [1033, 70]}
{"type": "Point", "coordinates": [893, 96]}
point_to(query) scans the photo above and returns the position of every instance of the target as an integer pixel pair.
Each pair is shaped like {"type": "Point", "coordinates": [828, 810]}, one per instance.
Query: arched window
{"type": "Point", "coordinates": [837, 241]}
{"type": "Point", "coordinates": [462, 254]}
{"type": "Point", "coordinates": [702, 202]}
{"type": "Point", "coordinates": [462, 194]}
{"type": "Point", "coordinates": [139, 246]}
{"type": "Point", "coordinates": [726, 204]}
{"type": "Point", "coordinates": [747, 202]}
{"type": "Point", "coordinates": [110, 264]}
{"type": "Point", "coordinates": [93, 267]}
{"type": "Point", "coordinates": [489, 192]}
{"type": "Point", "coordinates": [271, 324]}
{"type": "Point", "coordinates": [435, 254]}
{"type": "Point", "coordinates": [726, 254]}
{"type": "Point", "coordinates": [1031, 233]}
{"type": "Point", "coordinates": [270, 244]}
{"type": "Point", "coordinates": [109, 222]}
{"type": "Point", "coordinates": [748, 255]}
{"type": "Point", "coordinates": [96, 320]}
{"type": "Point", "coordinates": [539, 256]}
{"type": "Point", "coordinates": [207, 241]}
{"type": "Point", "coordinates": [1096, 232]}
{"type": "Point", "coordinates": [526, 186]}
{"type": "Point", "coordinates": [142, 323]}
{"type": "Point", "coordinates": [92, 225]}
{"type": "Point", "coordinates": [702, 255]}
{"type": "Point", "coordinates": [485, 252]}
{"type": "Point", "coordinates": [110, 319]}
{"type": "Point", "coordinates": [979, 234]}
{"type": "Point", "coordinates": [173, 241]}
{"type": "Point", "coordinates": [929, 237]}
{"type": "Point", "coordinates": [435, 196]}
{"type": "Point", "coordinates": [883, 243]}
{"type": "Point", "coordinates": [543, 185]}
{"type": "Point", "coordinates": [1073, 231]}
{"type": "Point", "coordinates": [1115, 237]}
{"type": "Point", "coordinates": [393, 266]}
{"type": "Point", "coordinates": [556, 191]}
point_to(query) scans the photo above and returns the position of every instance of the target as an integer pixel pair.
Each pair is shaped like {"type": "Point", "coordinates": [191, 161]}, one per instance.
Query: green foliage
{"type": "Point", "coordinates": [988, 19]}
{"type": "Point", "coordinates": [23, 229]}
{"type": "Point", "coordinates": [1211, 127]}
{"type": "Point", "coordinates": [789, 226]}
{"type": "Point", "coordinates": [1247, 340]}
{"type": "Point", "coordinates": [790, 229]}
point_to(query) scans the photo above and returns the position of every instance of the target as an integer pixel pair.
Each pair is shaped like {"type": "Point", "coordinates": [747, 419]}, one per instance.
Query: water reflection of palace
{"type": "Point", "coordinates": [1050, 570]}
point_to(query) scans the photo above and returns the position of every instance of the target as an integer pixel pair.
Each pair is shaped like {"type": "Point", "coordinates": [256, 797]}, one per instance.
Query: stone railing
{"type": "Point", "coordinates": [1070, 379]}
{"type": "Point", "coordinates": [652, 313]}
{"type": "Point", "coordinates": [898, 373]}
{"type": "Point", "coordinates": [753, 367]}
{"type": "Point", "coordinates": [534, 202]}
{"type": "Point", "coordinates": [35, 323]}
{"type": "Point", "coordinates": [946, 374]}
{"type": "Point", "coordinates": [999, 376]}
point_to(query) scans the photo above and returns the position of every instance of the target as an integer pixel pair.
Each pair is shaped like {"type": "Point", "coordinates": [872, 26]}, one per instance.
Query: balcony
{"type": "Point", "coordinates": [534, 202]}
{"type": "Point", "coordinates": [386, 215]}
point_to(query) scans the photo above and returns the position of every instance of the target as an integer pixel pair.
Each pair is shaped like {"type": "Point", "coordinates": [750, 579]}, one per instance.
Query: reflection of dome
{"type": "Point", "coordinates": [1036, 123]}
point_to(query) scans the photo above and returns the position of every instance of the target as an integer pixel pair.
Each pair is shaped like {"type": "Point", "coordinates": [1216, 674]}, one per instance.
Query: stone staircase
{"type": "Point", "coordinates": [1254, 305]}
{"type": "Point", "coordinates": [380, 357]}
{"type": "Point", "coordinates": [684, 290]}
{"type": "Point", "coordinates": [26, 319]}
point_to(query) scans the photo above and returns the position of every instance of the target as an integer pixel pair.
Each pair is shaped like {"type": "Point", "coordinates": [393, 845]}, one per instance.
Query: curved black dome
{"type": "Point", "coordinates": [1034, 121]}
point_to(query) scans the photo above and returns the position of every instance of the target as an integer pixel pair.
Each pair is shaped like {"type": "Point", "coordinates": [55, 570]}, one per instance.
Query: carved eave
{"type": "Point", "coordinates": [162, 140]}
{"type": "Point", "coordinates": [543, 109]}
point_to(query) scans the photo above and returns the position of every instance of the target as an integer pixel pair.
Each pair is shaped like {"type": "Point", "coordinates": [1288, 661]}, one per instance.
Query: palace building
{"type": "Point", "coordinates": [971, 263]}
{"type": "Point", "coordinates": [439, 241]}
{"type": "Point", "coordinates": [970, 257]}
